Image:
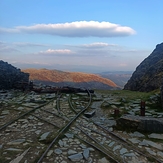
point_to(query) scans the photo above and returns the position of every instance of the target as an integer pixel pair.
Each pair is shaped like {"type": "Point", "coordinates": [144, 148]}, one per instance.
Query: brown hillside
{"type": "Point", "coordinates": [60, 76]}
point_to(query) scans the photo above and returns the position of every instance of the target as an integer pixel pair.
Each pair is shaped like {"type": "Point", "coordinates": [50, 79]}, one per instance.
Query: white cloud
{"type": "Point", "coordinates": [9, 30]}
{"type": "Point", "coordinates": [56, 51]}
{"type": "Point", "coordinates": [98, 45]}
{"type": "Point", "coordinates": [75, 29]}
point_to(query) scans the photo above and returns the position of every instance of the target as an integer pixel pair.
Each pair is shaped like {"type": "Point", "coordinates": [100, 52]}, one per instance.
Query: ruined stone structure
{"type": "Point", "coordinates": [10, 75]}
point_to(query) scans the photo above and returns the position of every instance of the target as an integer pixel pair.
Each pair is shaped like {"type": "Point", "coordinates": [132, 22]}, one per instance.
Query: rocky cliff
{"type": "Point", "coordinates": [148, 75]}
{"type": "Point", "coordinates": [10, 75]}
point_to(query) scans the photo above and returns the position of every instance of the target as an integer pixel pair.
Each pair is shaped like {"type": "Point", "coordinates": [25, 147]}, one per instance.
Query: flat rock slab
{"type": "Point", "coordinates": [142, 123]}
{"type": "Point", "coordinates": [44, 136]}
{"type": "Point", "coordinates": [58, 151]}
{"type": "Point", "coordinates": [16, 142]}
{"type": "Point", "coordinates": [71, 152]}
{"type": "Point", "coordinates": [86, 153]}
{"type": "Point", "coordinates": [76, 157]}
{"type": "Point", "coordinates": [103, 160]}
{"type": "Point", "coordinates": [137, 134]}
{"type": "Point", "coordinates": [152, 144]}
{"type": "Point", "coordinates": [156, 136]}
{"type": "Point", "coordinates": [90, 114]}
{"type": "Point", "coordinates": [68, 135]}
{"type": "Point", "coordinates": [14, 149]}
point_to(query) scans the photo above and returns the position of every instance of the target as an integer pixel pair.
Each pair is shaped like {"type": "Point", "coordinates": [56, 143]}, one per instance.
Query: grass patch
{"type": "Point", "coordinates": [129, 95]}
{"type": "Point", "coordinates": [126, 96]}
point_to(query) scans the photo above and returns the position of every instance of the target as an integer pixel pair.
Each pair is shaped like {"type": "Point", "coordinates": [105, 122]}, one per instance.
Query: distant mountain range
{"type": "Point", "coordinates": [76, 79]}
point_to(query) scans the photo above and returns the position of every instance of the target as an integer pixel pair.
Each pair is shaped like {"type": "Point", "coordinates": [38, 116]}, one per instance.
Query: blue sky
{"type": "Point", "coordinates": [71, 35]}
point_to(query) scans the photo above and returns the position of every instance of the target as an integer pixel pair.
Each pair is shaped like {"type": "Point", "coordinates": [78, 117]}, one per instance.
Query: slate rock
{"type": "Point", "coordinates": [156, 136]}
{"type": "Point", "coordinates": [14, 149]}
{"type": "Point", "coordinates": [123, 150]}
{"type": "Point", "coordinates": [58, 151]}
{"type": "Point", "coordinates": [103, 160]}
{"type": "Point", "coordinates": [71, 152]}
{"type": "Point", "coordinates": [68, 135]}
{"type": "Point", "coordinates": [137, 134]}
{"type": "Point", "coordinates": [86, 153]}
{"type": "Point", "coordinates": [76, 157]}
{"type": "Point", "coordinates": [44, 136]}
{"type": "Point", "coordinates": [16, 142]}
{"type": "Point", "coordinates": [60, 142]}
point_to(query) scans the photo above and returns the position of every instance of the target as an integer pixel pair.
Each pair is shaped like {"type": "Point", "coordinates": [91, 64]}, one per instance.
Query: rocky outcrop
{"type": "Point", "coordinates": [10, 76]}
{"type": "Point", "coordinates": [148, 75]}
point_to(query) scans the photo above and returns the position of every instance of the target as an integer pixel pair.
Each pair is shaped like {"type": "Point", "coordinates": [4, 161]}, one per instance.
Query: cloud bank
{"type": "Point", "coordinates": [75, 29]}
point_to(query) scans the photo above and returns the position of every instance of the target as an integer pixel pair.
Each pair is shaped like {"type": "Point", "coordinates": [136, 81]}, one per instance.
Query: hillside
{"type": "Point", "coordinates": [148, 75]}
{"type": "Point", "coordinates": [70, 78]}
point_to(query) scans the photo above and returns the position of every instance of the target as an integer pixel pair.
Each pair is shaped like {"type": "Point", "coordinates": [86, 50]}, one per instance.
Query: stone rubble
{"type": "Point", "coordinates": [69, 148]}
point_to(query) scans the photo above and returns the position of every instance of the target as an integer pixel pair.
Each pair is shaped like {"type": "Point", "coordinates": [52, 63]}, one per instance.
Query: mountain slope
{"type": "Point", "coordinates": [10, 76]}
{"type": "Point", "coordinates": [148, 75]}
{"type": "Point", "coordinates": [79, 78]}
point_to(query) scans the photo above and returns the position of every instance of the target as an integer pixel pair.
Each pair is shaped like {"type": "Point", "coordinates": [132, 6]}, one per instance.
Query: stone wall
{"type": "Point", "coordinates": [10, 76]}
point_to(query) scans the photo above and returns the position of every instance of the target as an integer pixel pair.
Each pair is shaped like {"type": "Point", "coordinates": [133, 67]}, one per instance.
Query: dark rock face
{"type": "Point", "coordinates": [148, 75]}
{"type": "Point", "coordinates": [9, 76]}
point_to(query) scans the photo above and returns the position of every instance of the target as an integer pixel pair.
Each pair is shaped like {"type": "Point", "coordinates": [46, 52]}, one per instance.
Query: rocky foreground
{"type": "Point", "coordinates": [27, 137]}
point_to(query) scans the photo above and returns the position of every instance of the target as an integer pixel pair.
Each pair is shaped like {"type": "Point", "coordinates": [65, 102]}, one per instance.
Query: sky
{"type": "Point", "coordinates": [74, 35]}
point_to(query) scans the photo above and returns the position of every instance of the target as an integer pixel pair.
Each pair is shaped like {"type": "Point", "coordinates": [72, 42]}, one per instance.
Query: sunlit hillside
{"type": "Point", "coordinates": [60, 76]}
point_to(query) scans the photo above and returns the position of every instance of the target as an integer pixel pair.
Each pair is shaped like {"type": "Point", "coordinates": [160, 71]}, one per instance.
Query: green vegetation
{"type": "Point", "coordinates": [125, 100]}
{"type": "Point", "coordinates": [128, 95]}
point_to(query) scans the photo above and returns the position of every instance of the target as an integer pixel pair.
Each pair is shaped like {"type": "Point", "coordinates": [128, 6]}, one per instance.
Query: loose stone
{"type": "Point", "coordinates": [49, 153]}
{"type": "Point", "coordinates": [103, 160]}
{"type": "Point", "coordinates": [156, 136]}
{"type": "Point", "coordinates": [44, 136]}
{"type": "Point", "coordinates": [111, 144]}
{"type": "Point", "coordinates": [137, 134]}
{"type": "Point", "coordinates": [83, 146]}
{"type": "Point", "coordinates": [86, 153]}
{"type": "Point", "coordinates": [71, 152]}
{"type": "Point", "coordinates": [16, 142]}
{"type": "Point", "coordinates": [123, 150]}
{"type": "Point", "coordinates": [60, 143]}
{"type": "Point", "coordinates": [76, 157]}
{"type": "Point", "coordinates": [69, 135]}
{"type": "Point", "coordinates": [116, 147]}
{"type": "Point", "coordinates": [14, 149]}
